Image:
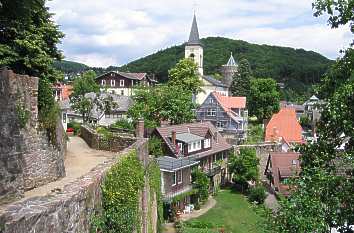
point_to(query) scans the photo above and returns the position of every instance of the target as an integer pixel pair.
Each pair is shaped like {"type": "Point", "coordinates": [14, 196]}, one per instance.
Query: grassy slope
{"type": "Point", "coordinates": [233, 212]}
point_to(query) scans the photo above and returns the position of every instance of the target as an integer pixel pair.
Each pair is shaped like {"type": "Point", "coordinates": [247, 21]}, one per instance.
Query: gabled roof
{"type": "Point", "coordinates": [214, 81]}
{"type": "Point", "coordinates": [282, 165]}
{"type": "Point", "coordinates": [230, 102]}
{"type": "Point", "coordinates": [200, 129]}
{"type": "Point", "coordinates": [194, 34]}
{"type": "Point", "coordinates": [284, 125]}
{"type": "Point", "coordinates": [133, 76]}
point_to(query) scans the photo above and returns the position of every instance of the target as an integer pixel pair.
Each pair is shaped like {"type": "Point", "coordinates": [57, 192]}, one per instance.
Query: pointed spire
{"type": "Point", "coordinates": [194, 35]}
{"type": "Point", "coordinates": [231, 61]}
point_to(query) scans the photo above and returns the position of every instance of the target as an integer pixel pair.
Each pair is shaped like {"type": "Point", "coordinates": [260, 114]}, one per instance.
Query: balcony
{"type": "Point", "coordinates": [216, 169]}
{"type": "Point", "coordinates": [171, 194]}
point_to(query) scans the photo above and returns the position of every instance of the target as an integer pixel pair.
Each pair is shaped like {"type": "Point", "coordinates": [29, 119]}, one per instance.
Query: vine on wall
{"type": "Point", "coordinates": [22, 114]}
{"type": "Point", "coordinates": [120, 197]}
{"type": "Point", "coordinates": [154, 176]}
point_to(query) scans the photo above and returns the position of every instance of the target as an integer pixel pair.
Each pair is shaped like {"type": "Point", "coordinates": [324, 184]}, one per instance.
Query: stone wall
{"type": "Point", "coordinates": [115, 143]}
{"type": "Point", "coordinates": [71, 209]}
{"type": "Point", "coordinates": [262, 151]}
{"type": "Point", "coordinates": [27, 158]}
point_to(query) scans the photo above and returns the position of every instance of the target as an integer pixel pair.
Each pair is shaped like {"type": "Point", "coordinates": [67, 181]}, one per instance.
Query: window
{"type": "Point", "coordinates": [103, 82]}
{"type": "Point", "coordinates": [211, 112]}
{"type": "Point", "coordinates": [211, 100]}
{"type": "Point", "coordinates": [180, 147]}
{"type": "Point", "coordinates": [113, 83]}
{"type": "Point", "coordinates": [121, 83]}
{"type": "Point", "coordinates": [122, 92]}
{"type": "Point", "coordinates": [174, 179]}
{"type": "Point", "coordinates": [179, 176]}
{"type": "Point", "coordinates": [207, 143]}
{"type": "Point", "coordinates": [194, 146]}
{"type": "Point", "coordinates": [220, 124]}
{"type": "Point", "coordinates": [64, 117]}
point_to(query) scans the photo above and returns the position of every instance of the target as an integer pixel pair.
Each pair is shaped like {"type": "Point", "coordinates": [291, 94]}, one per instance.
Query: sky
{"type": "Point", "coordinates": [114, 32]}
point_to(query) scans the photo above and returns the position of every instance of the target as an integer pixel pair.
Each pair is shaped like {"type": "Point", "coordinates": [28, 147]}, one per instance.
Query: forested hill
{"type": "Point", "coordinates": [69, 67]}
{"type": "Point", "coordinates": [296, 68]}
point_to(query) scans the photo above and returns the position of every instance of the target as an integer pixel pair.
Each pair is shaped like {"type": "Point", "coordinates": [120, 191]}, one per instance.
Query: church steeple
{"type": "Point", "coordinates": [194, 48]}
{"type": "Point", "coordinates": [194, 34]}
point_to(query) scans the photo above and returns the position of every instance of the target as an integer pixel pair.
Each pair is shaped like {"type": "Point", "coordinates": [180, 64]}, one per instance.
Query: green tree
{"type": "Point", "coordinates": [201, 182]}
{"type": "Point", "coordinates": [155, 147]}
{"type": "Point", "coordinates": [185, 75]}
{"type": "Point", "coordinates": [160, 103]}
{"type": "Point", "coordinates": [263, 99]}
{"type": "Point", "coordinates": [82, 85]}
{"type": "Point", "coordinates": [244, 166]}
{"type": "Point", "coordinates": [28, 45]}
{"type": "Point", "coordinates": [340, 12]}
{"type": "Point", "coordinates": [324, 191]}
{"type": "Point", "coordinates": [240, 85]}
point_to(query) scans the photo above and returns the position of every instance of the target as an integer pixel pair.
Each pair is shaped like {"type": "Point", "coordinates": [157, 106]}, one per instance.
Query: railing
{"type": "Point", "coordinates": [171, 194]}
{"type": "Point", "coordinates": [214, 170]}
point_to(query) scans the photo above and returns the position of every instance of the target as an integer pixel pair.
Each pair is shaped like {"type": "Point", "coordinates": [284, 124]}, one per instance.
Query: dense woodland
{"type": "Point", "coordinates": [296, 68]}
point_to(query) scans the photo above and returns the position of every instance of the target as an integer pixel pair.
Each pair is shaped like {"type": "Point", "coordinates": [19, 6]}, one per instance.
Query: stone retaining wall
{"type": "Point", "coordinates": [96, 141]}
{"type": "Point", "coordinates": [27, 158]}
{"type": "Point", "coordinates": [262, 151]}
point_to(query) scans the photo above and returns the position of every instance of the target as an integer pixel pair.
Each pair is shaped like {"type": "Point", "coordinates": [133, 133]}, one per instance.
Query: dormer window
{"type": "Point", "coordinates": [207, 143]}
{"type": "Point", "coordinates": [194, 146]}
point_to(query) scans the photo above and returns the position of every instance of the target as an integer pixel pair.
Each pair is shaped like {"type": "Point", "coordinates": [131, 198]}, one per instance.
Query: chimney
{"type": "Point", "coordinates": [139, 131]}
{"type": "Point", "coordinates": [173, 137]}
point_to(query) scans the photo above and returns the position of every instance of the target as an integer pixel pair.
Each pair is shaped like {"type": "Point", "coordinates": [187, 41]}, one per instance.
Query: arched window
{"type": "Point", "coordinates": [192, 56]}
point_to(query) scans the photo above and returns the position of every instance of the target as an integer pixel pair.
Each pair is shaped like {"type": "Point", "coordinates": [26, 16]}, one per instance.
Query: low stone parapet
{"type": "Point", "coordinates": [115, 143]}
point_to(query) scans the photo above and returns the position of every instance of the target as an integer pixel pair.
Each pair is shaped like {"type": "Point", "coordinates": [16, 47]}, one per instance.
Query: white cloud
{"type": "Point", "coordinates": [114, 32]}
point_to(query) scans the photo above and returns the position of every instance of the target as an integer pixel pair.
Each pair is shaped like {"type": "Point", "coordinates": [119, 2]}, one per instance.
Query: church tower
{"type": "Point", "coordinates": [194, 48]}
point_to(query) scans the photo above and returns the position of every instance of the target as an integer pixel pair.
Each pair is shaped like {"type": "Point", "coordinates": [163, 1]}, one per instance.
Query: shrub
{"type": "Point", "coordinates": [123, 124]}
{"type": "Point", "coordinates": [257, 194]}
{"type": "Point", "coordinates": [76, 126]}
{"type": "Point", "coordinates": [69, 130]}
{"type": "Point", "coordinates": [155, 147]}
{"type": "Point", "coordinates": [201, 183]}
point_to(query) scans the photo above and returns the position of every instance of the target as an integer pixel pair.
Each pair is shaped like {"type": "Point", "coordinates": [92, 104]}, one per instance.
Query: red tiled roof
{"type": "Point", "coordinates": [282, 167]}
{"type": "Point", "coordinates": [200, 129]}
{"type": "Point", "coordinates": [284, 125]}
{"type": "Point", "coordinates": [230, 101]}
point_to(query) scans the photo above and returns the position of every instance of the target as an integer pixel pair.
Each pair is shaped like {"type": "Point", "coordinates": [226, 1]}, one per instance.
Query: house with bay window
{"type": "Point", "coordinates": [191, 145]}
{"type": "Point", "coordinates": [227, 113]}
{"type": "Point", "coordinates": [123, 83]}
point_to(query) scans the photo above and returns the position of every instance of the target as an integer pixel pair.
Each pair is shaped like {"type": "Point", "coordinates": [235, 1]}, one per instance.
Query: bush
{"type": "Point", "coordinates": [123, 124]}
{"type": "Point", "coordinates": [155, 147]}
{"type": "Point", "coordinates": [76, 126]}
{"type": "Point", "coordinates": [201, 182]}
{"type": "Point", "coordinates": [257, 194]}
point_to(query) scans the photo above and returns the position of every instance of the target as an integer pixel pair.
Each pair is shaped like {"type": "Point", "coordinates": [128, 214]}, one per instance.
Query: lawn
{"type": "Point", "coordinates": [233, 212]}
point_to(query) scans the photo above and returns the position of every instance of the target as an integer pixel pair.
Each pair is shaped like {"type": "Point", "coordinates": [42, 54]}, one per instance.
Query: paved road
{"type": "Point", "coordinates": [80, 159]}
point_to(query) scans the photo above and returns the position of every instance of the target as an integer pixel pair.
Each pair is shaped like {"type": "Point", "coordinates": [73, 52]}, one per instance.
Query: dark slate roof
{"type": "Point", "coordinates": [194, 34]}
{"type": "Point", "coordinates": [214, 81]}
{"type": "Point", "coordinates": [188, 137]}
{"type": "Point", "coordinates": [170, 164]}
